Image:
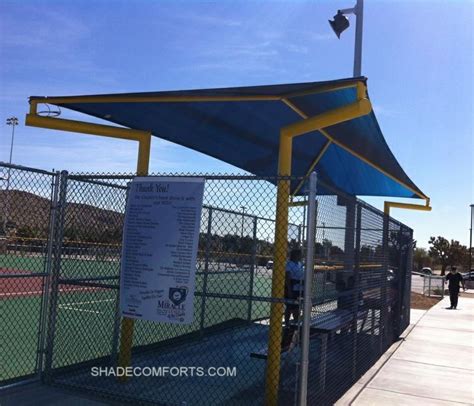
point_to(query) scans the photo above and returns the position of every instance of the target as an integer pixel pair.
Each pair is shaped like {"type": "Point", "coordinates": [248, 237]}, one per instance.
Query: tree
{"type": "Point", "coordinates": [439, 250]}
{"type": "Point", "coordinates": [448, 253]}
{"type": "Point", "coordinates": [421, 258]}
{"type": "Point", "coordinates": [459, 254]}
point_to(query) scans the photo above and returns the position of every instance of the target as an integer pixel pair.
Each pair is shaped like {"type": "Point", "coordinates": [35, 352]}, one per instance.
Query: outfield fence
{"type": "Point", "coordinates": [359, 297]}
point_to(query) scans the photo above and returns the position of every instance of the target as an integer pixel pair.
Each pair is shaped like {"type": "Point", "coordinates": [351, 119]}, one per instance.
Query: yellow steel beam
{"type": "Point", "coordinates": [361, 107]}
{"type": "Point", "coordinates": [329, 118]}
{"type": "Point", "coordinates": [85, 128]}
{"type": "Point", "coordinates": [375, 166]}
{"type": "Point", "coordinates": [324, 89]}
{"type": "Point", "coordinates": [388, 205]}
{"type": "Point", "coordinates": [187, 98]}
{"type": "Point", "coordinates": [144, 143]}
{"type": "Point", "coordinates": [149, 99]}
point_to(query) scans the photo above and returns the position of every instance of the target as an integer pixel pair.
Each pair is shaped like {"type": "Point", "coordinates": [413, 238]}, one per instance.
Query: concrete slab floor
{"type": "Point", "coordinates": [35, 394]}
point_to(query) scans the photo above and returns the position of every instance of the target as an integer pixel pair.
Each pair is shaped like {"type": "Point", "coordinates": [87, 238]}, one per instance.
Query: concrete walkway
{"type": "Point", "coordinates": [432, 365]}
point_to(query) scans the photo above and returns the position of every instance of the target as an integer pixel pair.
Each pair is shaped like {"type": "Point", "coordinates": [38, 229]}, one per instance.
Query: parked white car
{"type": "Point", "coordinates": [426, 271]}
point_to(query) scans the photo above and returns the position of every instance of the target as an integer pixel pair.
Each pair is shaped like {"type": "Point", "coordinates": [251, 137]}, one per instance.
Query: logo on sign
{"type": "Point", "coordinates": [177, 295]}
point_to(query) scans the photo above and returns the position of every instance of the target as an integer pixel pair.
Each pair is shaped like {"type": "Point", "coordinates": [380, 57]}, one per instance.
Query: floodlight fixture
{"type": "Point", "coordinates": [339, 24]}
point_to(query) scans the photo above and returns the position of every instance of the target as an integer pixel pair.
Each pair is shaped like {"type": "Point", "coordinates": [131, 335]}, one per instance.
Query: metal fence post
{"type": "Point", "coordinates": [47, 279]}
{"type": "Point", "coordinates": [401, 279]}
{"type": "Point", "coordinates": [116, 331]}
{"type": "Point", "coordinates": [356, 288]}
{"type": "Point", "coordinates": [383, 290]}
{"type": "Point", "coordinates": [252, 269]}
{"type": "Point", "coordinates": [308, 283]}
{"type": "Point", "coordinates": [55, 274]}
{"type": "Point", "coordinates": [206, 270]}
{"type": "Point", "coordinates": [117, 314]}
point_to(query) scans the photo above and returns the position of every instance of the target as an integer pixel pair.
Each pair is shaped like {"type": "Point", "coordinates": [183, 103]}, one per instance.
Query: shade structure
{"type": "Point", "coordinates": [241, 126]}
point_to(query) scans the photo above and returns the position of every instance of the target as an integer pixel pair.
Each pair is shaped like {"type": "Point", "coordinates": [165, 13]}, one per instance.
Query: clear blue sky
{"type": "Point", "coordinates": [418, 56]}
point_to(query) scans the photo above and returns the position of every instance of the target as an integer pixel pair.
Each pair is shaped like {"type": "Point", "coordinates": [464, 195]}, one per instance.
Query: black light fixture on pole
{"type": "Point", "coordinates": [341, 23]}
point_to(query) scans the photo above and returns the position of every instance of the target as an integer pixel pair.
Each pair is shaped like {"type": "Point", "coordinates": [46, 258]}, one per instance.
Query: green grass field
{"type": "Point", "coordinates": [85, 319]}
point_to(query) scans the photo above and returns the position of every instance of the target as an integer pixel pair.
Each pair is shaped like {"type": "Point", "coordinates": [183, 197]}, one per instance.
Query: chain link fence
{"type": "Point", "coordinates": [26, 200]}
{"type": "Point", "coordinates": [361, 298]}
{"type": "Point", "coordinates": [359, 294]}
{"type": "Point", "coordinates": [433, 285]}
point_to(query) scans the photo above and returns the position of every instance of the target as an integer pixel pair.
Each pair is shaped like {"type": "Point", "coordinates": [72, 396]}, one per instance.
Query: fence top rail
{"type": "Point", "coordinates": [27, 168]}
{"type": "Point", "coordinates": [89, 176]}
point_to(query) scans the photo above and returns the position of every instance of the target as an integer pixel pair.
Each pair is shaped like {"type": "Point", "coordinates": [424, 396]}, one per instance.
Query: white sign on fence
{"type": "Point", "coordinates": [160, 242]}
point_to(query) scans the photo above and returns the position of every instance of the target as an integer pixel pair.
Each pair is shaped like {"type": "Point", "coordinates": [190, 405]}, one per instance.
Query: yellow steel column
{"type": "Point", "coordinates": [128, 324]}
{"type": "Point", "coordinates": [144, 143]}
{"type": "Point", "coordinates": [272, 376]}
{"type": "Point", "coordinates": [359, 108]}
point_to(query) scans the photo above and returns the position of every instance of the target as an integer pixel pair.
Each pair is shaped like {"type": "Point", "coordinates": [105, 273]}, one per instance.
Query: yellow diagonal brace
{"type": "Point", "coordinates": [313, 165]}
{"type": "Point", "coordinates": [329, 118]}
{"type": "Point", "coordinates": [360, 91]}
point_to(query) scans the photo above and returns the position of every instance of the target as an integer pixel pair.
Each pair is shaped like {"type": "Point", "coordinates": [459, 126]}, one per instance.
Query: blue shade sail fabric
{"type": "Point", "coordinates": [245, 133]}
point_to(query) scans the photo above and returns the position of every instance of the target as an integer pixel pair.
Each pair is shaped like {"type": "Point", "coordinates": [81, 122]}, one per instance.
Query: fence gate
{"type": "Point", "coordinates": [27, 210]}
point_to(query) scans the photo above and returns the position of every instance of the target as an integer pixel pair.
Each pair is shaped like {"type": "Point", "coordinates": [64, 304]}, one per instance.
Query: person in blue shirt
{"type": "Point", "coordinates": [294, 277]}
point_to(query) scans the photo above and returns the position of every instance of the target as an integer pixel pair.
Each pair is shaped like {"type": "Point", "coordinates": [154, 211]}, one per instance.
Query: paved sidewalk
{"type": "Point", "coordinates": [432, 365]}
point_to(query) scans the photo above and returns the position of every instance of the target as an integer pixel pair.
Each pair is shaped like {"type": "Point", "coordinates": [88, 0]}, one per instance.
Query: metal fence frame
{"type": "Point", "coordinates": [392, 319]}
{"type": "Point", "coordinates": [433, 285]}
{"type": "Point", "coordinates": [45, 251]}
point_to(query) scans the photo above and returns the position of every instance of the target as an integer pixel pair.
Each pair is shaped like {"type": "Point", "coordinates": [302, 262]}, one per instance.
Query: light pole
{"type": "Point", "coordinates": [13, 121]}
{"type": "Point", "coordinates": [243, 214]}
{"type": "Point", "coordinates": [340, 23]}
{"type": "Point", "coordinates": [470, 241]}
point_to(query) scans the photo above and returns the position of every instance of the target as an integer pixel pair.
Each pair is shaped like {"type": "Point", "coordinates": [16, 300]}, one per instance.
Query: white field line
{"type": "Point", "coordinates": [38, 292]}
{"type": "Point", "coordinates": [69, 306]}
{"type": "Point", "coordinates": [79, 310]}
{"type": "Point", "coordinates": [88, 302]}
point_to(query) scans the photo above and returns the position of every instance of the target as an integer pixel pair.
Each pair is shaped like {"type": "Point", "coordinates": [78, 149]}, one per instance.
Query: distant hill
{"type": "Point", "coordinates": [28, 216]}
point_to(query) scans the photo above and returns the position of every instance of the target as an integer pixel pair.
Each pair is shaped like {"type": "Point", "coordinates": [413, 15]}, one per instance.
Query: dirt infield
{"type": "Point", "coordinates": [29, 285]}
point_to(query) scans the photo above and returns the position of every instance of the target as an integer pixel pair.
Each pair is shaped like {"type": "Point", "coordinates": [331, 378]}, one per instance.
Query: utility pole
{"type": "Point", "coordinates": [470, 241]}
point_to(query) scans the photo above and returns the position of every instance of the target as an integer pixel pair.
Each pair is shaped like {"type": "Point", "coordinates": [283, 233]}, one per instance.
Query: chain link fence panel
{"type": "Point", "coordinates": [433, 285]}
{"type": "Point", "coordinates": [360, 294]}
{"type": "Point", "coordinates": [26, 216]}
